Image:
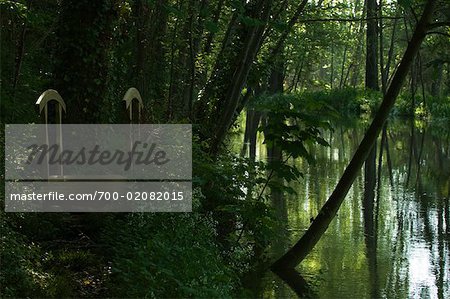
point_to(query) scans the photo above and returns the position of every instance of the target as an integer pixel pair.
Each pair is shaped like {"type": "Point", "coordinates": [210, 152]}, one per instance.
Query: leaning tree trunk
{"type": "Point", "coordinates": [320, 224]}
{"type": "Point", "coordinates": [230, 93]}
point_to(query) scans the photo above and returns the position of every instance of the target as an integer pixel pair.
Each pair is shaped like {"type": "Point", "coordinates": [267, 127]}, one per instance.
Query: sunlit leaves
{"type": "Point", "coordinates": [292, 122]}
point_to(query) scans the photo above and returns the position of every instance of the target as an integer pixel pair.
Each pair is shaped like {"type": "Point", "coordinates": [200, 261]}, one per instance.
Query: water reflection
{"type": "Point", "coordinates": [391, 243]}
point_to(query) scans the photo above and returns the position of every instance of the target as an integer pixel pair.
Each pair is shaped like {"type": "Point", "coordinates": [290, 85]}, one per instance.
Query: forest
{"type": "Point", "coordinates": [320, 146]}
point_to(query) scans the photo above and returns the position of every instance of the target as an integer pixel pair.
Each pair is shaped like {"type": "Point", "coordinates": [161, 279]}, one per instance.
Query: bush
{"type": "Point", "coordinates": [439, 107]}
{"type": "Point", "coordinates": [19, 260]}
{"type": "Point", "coordinates": [167, 255]}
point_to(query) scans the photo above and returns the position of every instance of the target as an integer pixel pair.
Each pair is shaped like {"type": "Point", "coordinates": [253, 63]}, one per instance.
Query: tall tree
{"type": "Point", "coordinates": [150, 66]}
{"type": "Point", "coordinates": [371, 83]}
{"type": "Point", "coordinates": [372, 46]}
{"type": "Point", "coordinates": [82, 58]}
{"type": "Point", "coordinates": [226, 83]}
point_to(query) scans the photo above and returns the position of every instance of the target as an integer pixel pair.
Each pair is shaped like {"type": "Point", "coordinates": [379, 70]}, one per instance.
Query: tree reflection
{"type": "Point", "coordinates": [296, 282]}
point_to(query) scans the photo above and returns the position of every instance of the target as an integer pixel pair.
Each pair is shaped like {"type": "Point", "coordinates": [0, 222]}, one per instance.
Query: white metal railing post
{"type": "Point", "coordinates": [43, 101]}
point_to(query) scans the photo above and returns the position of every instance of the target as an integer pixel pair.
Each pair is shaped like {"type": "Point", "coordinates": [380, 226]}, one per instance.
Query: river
{"type": "Point", "coordinates": [399, 248]}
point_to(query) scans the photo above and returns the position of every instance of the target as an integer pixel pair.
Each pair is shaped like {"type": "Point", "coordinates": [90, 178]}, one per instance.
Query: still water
{"type": "Point", "coordinates": [403, 250]}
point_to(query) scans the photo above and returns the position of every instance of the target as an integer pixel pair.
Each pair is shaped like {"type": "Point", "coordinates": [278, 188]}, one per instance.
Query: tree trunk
{"type": "Point", "coordinates": [240, 72]}
{"type": "Point", "coordinates": [253, 39]}
{"type": "Point", "coordinates": [370, 164]}
{"type": "Point", "coordinates": [372, 46]}
{"type": "Point", "coordinates": [82, 57]}
{"type": "Point", "coordinates": [150, 69]}
{"type": "Point", "coordinates": [320, 224]}
{"type": "Point", "coordinates": [358, 49]}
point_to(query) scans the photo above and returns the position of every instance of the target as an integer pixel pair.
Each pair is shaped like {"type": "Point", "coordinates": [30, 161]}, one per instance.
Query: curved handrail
{"type": "Point", "coordinates": [43, 100]}
{"type": "Point", "coordinates": [47, 96]}
{"type": "Point", "coordinates": [131, 94]}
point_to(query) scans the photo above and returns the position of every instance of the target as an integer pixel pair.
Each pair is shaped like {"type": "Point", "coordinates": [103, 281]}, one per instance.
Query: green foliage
{"type": "Point", "coordinates": [346, 101]}
{"type": "Point", "coordinates": [235, 189]}
{"type": "Point", "coordinates": [180, 54]}
{"type": "Point", "coordinates": [403, 105]}
{"type": "Point", "coordinates": [20, 275]}
{"type": "Point", "coordinates": [81, 66]}
{"type": "Point", "coordinates": [439, 107]}
{"type": "Point", "coordinates": [34, 264]}
{"type": "Point", "coordinates": [17, 102]}
{"type": "Point", "coordinates": [434, 108]}
{"type": "Point", "coordinates": [167, 255]}
{"type": "Point", "coordinates": [292, 124]}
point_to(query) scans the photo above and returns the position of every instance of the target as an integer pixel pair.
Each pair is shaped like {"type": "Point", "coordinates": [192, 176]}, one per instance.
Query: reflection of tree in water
{"type": "Point", "coordinates": [404, 219]}
{"type": "Point", "coordinates": [424, 213]}
{"type": "Point", "coordinates": [370, 232]}
{"type": "Point", "coordinates": [442, 162]}
{"type": "Point", "coordinates": [281, 243]}
{"type": "Point", "coordinates": [291, 277]}
{"type": "Point", "coordinates": [296, 282]}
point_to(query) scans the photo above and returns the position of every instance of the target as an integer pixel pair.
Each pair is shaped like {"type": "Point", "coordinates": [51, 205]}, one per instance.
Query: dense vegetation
{"type": "Point", "coordinates": [286, 67]}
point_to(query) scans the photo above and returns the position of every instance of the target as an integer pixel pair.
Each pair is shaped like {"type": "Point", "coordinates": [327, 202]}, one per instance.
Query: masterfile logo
{"type": "Point", "coordinates": [130, 167]}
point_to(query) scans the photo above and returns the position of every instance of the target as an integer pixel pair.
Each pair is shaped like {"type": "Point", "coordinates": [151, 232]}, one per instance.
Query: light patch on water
{"type": "Point", "coordinates": [422, 280]}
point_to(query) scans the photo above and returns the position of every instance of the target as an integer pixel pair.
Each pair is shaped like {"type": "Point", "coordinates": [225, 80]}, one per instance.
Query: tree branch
{"type": "Point", "coordinates": [439, 33]}
{"type": "Point", "coordinates": [347, 19]}
{"type": "Point", "coordinates": [438, 24]}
